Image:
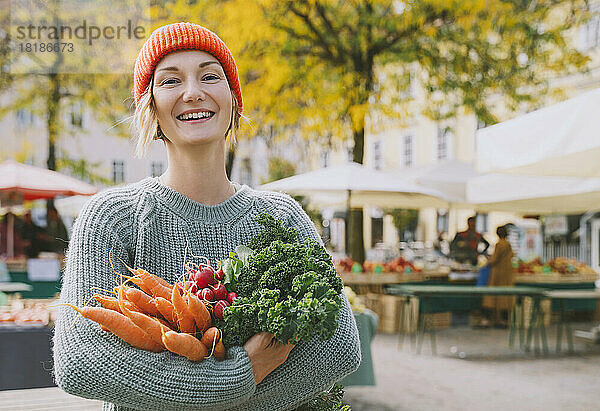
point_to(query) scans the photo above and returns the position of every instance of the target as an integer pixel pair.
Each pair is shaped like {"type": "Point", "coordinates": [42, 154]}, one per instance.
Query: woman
{"type": "Point", "coordinates": [188, 94]}
{"type": "Point", "coordinates": [501, 274]}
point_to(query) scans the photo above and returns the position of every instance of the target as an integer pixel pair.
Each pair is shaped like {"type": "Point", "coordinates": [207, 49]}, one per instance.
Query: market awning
{"type": "Point", "coordinates": [534, 194]}
{"type": "Point", "coordinates": [558, 140]}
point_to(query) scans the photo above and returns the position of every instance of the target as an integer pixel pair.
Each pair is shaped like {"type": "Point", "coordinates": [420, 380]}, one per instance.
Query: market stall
{"type": "Point", "coordinates": [20, 183]}
{"type": "Point", "coordinates": [26, 333]}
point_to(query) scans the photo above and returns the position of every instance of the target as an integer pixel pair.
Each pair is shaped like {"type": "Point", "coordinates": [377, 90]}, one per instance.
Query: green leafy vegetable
{"type": "Point", "coordinates": [285, 287]}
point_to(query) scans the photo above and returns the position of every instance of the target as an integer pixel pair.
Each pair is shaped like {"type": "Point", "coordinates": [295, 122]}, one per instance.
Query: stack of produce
{"type": "Point", "coordinates": [400, 265]}
{"type": "Point", "coordinates": [160, 316]}
{"type": "Point", "coordinates": [354, 300]}
{"type": "Point", "coordinates": [560, 265]}
{"type": "Point", "coordinates": [285, 287]}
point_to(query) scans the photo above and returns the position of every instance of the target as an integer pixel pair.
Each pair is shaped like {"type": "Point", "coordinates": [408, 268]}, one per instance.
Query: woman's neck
{"type": "Point", "coordinates": [199, 174]}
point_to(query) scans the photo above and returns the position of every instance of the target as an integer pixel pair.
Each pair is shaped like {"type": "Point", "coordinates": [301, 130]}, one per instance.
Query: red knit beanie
{"type": "Point", "coordinates": [182, 36]}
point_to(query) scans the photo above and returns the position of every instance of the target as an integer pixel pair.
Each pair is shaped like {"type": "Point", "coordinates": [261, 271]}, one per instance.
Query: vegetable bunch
{"type": "Point", "coordinates": [285, 287]}
{"type": "Point", "coordinates": [158, 316]}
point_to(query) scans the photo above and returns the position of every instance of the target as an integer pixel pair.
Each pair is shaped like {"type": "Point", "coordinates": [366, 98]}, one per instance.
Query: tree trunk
{"type": "Point", "coordinates": [356, 242]}
{"type": "Point", "coordinates": [53, 108]}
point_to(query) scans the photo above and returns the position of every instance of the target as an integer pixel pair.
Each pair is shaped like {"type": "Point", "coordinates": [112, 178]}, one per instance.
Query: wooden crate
{"type": "Point", "coordinates": [546, 309]}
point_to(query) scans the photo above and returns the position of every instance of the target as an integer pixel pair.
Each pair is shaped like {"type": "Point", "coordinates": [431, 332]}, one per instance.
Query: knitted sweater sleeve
{"type": "Point", "coordinates": [91, 363]}
{"type": "Point", "coordinates": [312, 366]}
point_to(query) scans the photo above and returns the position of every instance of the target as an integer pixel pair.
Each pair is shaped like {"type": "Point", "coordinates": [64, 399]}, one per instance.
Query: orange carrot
{"type": "Point", "coordinates": [166, 309]}
{"type": "Point", "coordinates": [185, 319]}
{"type": "Point", "coordinates": [121, 326]}
{"type": "Point", "coordinates": [112, 303]}
{"type": "Point", "coordinates": [212, 339]}
{"type": "Point", "coordinates": [184, 344]}
{"type": "Point", "coordinates": [149, 324]}
{"type": "Point", "coordinates": [142, 300]}
{"type": "Point", "coordinates": [149, 283]}
{"type": "Point", "coordinates": [199, 312]}
{"type": "Point", "coordinates": [219, 350]}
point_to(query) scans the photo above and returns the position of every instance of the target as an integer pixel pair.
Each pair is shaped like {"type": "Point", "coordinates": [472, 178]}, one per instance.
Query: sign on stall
{"type": "Point", "coordinates": [43, 269]}
{"type": "Point", "coordinates": [555, 225]}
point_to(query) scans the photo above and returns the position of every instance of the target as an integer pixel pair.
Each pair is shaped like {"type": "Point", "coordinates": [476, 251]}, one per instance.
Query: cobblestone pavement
{"type": "Point", "coordinates": [476, 370]}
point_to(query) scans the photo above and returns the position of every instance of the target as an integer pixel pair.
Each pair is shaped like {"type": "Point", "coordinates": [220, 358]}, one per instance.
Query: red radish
{"type": "Point", "coordinates": [192, 287]}
{"type": "Point", "coordinates": [220, 274]}
{"type": "Point", "coordinates": [206, 294]}
{"type": "Point", "coordinates": [231, 296]}
{"type": "Point", "coordinates": [192, 276]}
{"type": "Point", "coordinates": [219, 307]}
{"type": "Point", "coordinates": [220, 292]}
{"type": "Point", "coordinates": [205, 277]}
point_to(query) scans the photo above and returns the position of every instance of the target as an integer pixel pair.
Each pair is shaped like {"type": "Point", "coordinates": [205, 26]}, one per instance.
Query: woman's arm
{"type": "Point", "coordinates": [91, 363]}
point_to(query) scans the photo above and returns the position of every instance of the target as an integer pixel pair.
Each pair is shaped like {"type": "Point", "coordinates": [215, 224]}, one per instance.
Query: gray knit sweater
{"type": "Point", "coordinates": [149, 225]}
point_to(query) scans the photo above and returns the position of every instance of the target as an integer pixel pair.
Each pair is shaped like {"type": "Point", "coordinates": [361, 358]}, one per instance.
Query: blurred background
{"type": "Point", "coordinates": [393, 123]}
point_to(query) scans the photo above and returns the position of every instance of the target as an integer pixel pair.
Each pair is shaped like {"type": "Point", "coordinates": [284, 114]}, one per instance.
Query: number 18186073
{"type": "Point", "coordinates": [46, 47]}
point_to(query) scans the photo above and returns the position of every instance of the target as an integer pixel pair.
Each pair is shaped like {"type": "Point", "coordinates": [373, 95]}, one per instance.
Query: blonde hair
{"type": "Point", "coordinates": [146, 129]}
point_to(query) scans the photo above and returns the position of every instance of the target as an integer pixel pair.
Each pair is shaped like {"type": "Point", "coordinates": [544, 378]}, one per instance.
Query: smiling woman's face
{"type": "Point", "coordinates": [192, 98]}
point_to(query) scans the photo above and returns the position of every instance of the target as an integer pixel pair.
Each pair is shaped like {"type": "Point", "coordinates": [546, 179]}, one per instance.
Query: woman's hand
{"type": "Point", "coordinates": [266, 354]}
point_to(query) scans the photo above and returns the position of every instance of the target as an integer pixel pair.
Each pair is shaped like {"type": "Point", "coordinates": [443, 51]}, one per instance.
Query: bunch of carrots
{"type": "Point", "coordinates": [158, 316]}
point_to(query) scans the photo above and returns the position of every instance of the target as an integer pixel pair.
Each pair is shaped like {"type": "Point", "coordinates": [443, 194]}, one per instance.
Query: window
{"type": "Point", "coordinates": [77, 115]}
{"type": "Point", "coordinates": [325, 158]}
{"type": "Point", "coordinates": [24, 117]}
{"type": "Point", "coordinates": [442, 220]}
{"type": "Point", "coordinates": [377, 155]}
{"type": "Point", "coordinates": [408, 151]}
{"type": "Point", "coordinates": [376, 231]}
{"type": "Point", "coordinates": [156, 168]}
{"type": "Point", "coordinates": [350, 154]}
{"type": "Point", "coordinates": [589, 33]}
{"type": "Point", "coordinates": [481, 223]}
{"type": "Point", "coordinates": [246, 172]}
{"type": "Point", "coordinates": [118, 171]}
{"type": "Point", "coordinates": [441, 146]}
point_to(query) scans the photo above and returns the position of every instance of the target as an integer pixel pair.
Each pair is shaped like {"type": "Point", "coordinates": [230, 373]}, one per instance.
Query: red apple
{"type": "Point", "coordinates": [206, 294]}
{"type": "Point", "coordinates": [219, 307]}
{"type": "Point", "coordinates": [220, 291]}
{"type": "Point", "coordinates": [231, 296]}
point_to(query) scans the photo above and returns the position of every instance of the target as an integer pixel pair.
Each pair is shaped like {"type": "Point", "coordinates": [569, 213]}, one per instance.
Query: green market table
{"type": "Point", "coordinates": [564, 300]}
{"type": "Point", "coordinates": [425, 293]}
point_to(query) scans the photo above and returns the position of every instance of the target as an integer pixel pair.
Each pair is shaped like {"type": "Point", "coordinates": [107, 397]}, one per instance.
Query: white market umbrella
{"type": "Point", "coordinates": [358, 186]}
{"type": "Point", "coordinates": [448, 177]}
{"type": "Point", "coordinates": [559, 140]}
{"type": "Point", "coordinates": [21, 182]}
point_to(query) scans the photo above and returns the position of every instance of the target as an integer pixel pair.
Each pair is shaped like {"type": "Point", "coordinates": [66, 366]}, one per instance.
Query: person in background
{"type": "Point", "coordinates": [19, 243]}
{"type": "Point", "coordinates": [58, 237]}
{"type": "Point", "coordinates": [502, 274]}
{"type": "Point", "coordinates": [465, 245]}
{"type": "Point", "coordinates": [33, 235]}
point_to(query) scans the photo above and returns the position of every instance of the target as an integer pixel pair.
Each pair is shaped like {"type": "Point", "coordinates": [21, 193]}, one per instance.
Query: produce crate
{"type": "Point", "coordinates": [546, 309]}
{"type": "Point", "coordinates": [389, 308]}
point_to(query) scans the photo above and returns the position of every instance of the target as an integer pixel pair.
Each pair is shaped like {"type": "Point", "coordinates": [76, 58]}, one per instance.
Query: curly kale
{"type": "Point", "coordinates": [273, 230]}
{"type": "Point", "coordinates": [291, 289]}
